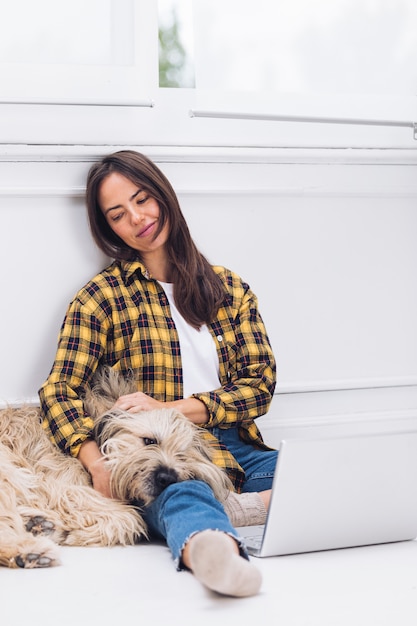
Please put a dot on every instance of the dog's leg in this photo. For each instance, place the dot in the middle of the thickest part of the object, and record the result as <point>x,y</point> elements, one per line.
<point>43,524</point>
<point>19,548</point>
<point>39,525</point>
<point>28,552</point>
<point>89,519</point>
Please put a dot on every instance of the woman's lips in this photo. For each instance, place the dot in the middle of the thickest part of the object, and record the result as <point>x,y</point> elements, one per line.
<point>146,231</point>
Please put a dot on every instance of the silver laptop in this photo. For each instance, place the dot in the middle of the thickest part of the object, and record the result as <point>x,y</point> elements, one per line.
<point>338,493</point>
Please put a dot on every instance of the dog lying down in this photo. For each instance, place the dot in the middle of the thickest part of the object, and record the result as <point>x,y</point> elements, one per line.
<point>46,497</point>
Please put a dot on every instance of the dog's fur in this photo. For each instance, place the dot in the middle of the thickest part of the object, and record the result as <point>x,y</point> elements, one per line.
<point>46,497</point>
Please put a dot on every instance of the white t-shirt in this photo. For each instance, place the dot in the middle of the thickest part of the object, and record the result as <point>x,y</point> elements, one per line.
<point>200,363</point>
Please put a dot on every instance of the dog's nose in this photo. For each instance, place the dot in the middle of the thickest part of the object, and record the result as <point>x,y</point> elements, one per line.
<point>163,477</point>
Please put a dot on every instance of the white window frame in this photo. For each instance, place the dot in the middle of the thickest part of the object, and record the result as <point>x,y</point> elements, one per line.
<point>72,103</point>
<point>131,109</point>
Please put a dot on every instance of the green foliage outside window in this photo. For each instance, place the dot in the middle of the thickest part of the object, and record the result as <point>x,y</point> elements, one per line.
<point>173,57</point>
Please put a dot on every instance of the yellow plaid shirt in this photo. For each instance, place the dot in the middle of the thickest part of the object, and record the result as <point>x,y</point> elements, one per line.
<point>122,319</point>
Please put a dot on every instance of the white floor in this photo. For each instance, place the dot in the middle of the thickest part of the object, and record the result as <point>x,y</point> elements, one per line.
<point>370,586</point>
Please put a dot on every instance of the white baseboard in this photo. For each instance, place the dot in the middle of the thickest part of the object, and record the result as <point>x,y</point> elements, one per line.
<point>340,413</point>
<point>275,430</point>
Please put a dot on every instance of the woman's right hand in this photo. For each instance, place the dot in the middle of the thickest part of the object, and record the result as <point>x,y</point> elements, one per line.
<point>93,461</point>
<point>100,477</point>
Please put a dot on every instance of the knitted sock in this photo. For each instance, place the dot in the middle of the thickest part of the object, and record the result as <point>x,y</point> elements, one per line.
<point>215,563</point>
<point>245,509</point>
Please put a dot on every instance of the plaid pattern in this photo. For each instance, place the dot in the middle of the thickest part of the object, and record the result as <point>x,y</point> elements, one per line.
<point>122,319</point>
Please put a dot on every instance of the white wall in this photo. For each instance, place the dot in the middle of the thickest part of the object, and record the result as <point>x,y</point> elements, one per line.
<point>326,238</point>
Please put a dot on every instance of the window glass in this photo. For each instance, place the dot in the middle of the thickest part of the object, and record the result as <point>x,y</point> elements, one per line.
<point>60,51</point>
<point>297,46</point>
<point>176,43</point>
<point>47,31</point>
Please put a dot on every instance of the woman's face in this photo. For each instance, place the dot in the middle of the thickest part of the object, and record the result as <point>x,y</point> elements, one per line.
<point>131,213</point>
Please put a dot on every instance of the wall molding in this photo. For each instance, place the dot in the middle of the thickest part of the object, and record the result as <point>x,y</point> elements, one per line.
<point>274,430</point>
<point>387,418</point>
<point>42,192</point>
<point>79,192</point>
<point>346,384</point>
<point>405,387</point>
<point>198,154</point>
<point>309,173</point>
<point>271,420</point>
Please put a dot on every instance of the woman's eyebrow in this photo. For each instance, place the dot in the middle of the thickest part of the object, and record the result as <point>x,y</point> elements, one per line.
<point>118,206</point>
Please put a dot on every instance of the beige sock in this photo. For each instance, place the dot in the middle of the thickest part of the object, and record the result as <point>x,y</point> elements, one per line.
<point>216,564</point>
<point>245,509</point>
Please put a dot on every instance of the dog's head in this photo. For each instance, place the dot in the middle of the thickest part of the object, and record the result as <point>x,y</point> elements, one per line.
<point>150,450</point>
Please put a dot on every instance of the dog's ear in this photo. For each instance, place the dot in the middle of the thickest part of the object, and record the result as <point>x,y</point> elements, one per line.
<point>107,426</point>
<point>104,428</point>
<point>99,427</point>
<point>105,388</point>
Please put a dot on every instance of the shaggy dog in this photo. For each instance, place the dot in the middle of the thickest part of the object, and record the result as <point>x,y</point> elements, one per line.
<point>46,497</point>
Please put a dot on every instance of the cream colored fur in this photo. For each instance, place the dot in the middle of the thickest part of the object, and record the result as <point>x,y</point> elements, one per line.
<point>46,497</point>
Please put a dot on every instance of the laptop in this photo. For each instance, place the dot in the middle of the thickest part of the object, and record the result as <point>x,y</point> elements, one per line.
<point>339,492</point>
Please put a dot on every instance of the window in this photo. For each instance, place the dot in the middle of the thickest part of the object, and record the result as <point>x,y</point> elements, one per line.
<point>296,46</point>
<point>69,52</point>
<point>70,70</point>
<point>86,72</point>
<point>324,59</point>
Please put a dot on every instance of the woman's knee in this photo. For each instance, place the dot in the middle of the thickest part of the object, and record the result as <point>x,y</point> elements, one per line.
<point>258,482</point>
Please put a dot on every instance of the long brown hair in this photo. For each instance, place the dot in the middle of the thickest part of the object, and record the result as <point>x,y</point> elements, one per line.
<point>198,291</point>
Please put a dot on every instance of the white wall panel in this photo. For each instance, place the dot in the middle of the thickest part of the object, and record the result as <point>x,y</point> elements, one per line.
<point>325,238</point>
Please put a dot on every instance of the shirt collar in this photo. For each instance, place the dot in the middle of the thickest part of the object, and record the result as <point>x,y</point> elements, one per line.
<point>132,267</point>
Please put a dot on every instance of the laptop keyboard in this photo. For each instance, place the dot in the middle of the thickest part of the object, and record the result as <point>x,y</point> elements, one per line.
<point>254,541</point>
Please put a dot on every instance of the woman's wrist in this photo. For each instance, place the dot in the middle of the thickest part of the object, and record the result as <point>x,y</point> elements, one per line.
<point>89,455</point>
<point>195,410</point>
<point>93,461</point>
<point>96,467</point>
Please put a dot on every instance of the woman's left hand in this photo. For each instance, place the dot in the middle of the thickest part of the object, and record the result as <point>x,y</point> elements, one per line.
<point>136,402</point>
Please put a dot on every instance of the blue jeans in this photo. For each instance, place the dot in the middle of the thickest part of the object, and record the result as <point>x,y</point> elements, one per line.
<point>184,509</point>
<point>188,507</point>
<point>258,465</point>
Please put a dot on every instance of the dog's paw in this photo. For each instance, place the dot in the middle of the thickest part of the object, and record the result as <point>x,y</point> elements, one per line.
<point>33,559</point>
<point>31,552</point>
<point>39,525</point>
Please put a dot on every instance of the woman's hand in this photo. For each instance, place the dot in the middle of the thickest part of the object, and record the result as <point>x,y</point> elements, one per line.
<point>100,477</point>
<point>93,461</point>
<point>195,410</point>
<point>137,401</point>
